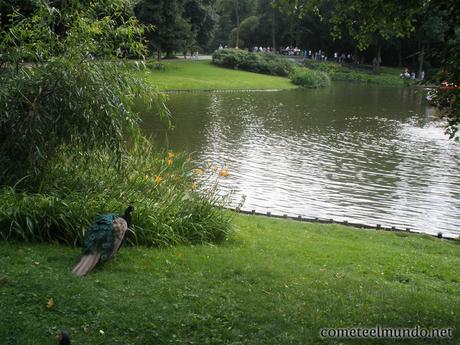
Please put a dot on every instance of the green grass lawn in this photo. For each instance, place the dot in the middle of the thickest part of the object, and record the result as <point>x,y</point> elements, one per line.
<point>274,282</point>
<point>202,75</point>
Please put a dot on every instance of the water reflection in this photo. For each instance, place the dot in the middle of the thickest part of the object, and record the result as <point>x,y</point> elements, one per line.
<point>350,152</point>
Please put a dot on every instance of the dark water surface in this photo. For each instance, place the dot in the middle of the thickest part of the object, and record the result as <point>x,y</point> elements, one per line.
<point>351,152</point>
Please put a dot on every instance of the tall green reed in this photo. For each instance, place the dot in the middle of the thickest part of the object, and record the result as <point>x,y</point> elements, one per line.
<point>172,204</point>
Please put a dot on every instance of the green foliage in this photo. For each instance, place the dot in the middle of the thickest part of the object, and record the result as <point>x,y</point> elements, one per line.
<point>363,20</point>
<point>331,68</point>
<point>447,96</point>
<point>338,72</point>
<point>66,98</point>
<point>78,34</point>
<point>310,78</point>
<point>172,204</point>
<point>447,100</point>
<point>171,31</point>
<point>248,30</point>
<point>202,17</point>
<point>62,102</point>
<point>253,62</point>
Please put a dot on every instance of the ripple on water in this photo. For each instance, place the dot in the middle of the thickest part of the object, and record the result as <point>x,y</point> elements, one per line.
<point>362,154</point>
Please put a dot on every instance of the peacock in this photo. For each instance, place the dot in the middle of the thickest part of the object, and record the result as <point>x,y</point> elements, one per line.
<point>103,239</point>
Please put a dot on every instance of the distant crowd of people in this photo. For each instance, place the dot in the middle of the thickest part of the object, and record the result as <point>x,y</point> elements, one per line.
<point>308,54</point>
<point>256,49</point>
<point>305,53</point>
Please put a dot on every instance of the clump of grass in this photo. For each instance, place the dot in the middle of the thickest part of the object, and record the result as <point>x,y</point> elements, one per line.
<point>172,204</point>
<point>253,62</point>
<point>310,78</point>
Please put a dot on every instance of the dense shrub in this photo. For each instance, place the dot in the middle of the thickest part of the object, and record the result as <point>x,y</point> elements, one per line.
<point>362,74</point>
<point>363,77</point>
<point>310,78</point>
<point>254,62</point>
<point>331,68</point>
<point>173,204</point>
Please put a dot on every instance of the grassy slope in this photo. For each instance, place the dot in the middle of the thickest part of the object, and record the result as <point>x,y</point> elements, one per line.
<point>202,75</point>
<point>274,282</point>
<point>387,76</point>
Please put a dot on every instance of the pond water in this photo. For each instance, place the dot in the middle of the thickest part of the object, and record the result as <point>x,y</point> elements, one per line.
<point>361,153</point>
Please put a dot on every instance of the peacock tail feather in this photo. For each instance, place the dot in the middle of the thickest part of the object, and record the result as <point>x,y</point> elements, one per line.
<point>100,236</point>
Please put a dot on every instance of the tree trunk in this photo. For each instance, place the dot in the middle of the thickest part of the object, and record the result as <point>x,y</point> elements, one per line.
<point>159,54</point>
<point>421,56</point>
<point>274,30</point>
<point>398,48</point>
<point>376,61</point>
<point>237,12</point>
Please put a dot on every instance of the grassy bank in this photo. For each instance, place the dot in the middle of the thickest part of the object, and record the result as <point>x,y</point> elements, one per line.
<point>202,75</point>
<point>179,75</point>
<point>273,282</point>
<point>358,73</point>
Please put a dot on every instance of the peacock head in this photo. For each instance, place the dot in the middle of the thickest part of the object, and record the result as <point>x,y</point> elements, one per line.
<point>127,216</point>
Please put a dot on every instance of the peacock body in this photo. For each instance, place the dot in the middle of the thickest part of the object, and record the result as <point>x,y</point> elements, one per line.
<point>103,240</point>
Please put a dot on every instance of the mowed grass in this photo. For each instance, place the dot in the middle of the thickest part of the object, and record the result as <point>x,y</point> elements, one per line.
<point>203,75</point>
<point>274,282</point>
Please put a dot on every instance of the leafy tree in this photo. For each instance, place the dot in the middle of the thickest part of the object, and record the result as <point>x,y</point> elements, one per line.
<point>171,32</point>
<point>267,23</point>
<point>247,31</point>
<point>367,22</point>
<point>447,97</point>
<point>232,13</point>
<point>67,99</point>
<point>8,7</point>
<point>202,16</point>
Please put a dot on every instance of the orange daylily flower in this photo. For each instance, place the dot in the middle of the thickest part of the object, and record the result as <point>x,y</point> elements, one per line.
<point>158,179</point>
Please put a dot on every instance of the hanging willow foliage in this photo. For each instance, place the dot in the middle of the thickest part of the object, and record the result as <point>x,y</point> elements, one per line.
<point>53,92</point>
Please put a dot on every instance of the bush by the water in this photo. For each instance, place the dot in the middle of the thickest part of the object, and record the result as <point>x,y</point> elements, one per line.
<point>338,72</point>
<point>172,203</point>
<point>310,78</point>
<point>253,62</point>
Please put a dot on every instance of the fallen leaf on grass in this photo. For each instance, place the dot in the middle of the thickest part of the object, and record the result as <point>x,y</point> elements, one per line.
<point>50,303</point>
